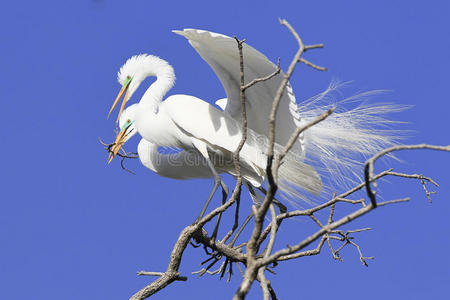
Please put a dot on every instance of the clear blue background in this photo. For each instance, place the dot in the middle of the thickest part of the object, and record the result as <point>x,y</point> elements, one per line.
<point>72,227</point>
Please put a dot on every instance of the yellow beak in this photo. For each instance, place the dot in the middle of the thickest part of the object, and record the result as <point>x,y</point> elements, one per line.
<point>118,143</point>
<point>122,91</point>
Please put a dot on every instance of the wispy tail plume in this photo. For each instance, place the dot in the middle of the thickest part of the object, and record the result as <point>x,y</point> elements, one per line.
<point>347,137</point>
<point>337,146</point>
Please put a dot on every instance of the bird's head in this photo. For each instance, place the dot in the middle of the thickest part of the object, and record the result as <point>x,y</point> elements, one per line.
<point>134,71</point>
<point>129,76</point>
<point>127,130</point>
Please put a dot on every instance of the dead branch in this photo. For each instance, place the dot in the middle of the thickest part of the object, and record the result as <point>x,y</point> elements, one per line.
<point>252,264</point>
<point>124,155</point>
<point>172,274</point>
<point>252,246</point>
<point>368,167</point>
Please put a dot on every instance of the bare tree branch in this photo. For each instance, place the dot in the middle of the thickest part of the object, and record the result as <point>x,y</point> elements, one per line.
<point>368,167</point>
<point>252,246</point>
<point>144,273</point>
<point>172,273</point>
<point>257,80</point>
<point>261,254</point>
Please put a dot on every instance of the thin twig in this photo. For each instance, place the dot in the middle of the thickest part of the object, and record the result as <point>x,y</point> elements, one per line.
<point>252,246</point>
<point>256,262</point>
<point>144,273</point>
<point>368,167</point>
<point>257,80</point>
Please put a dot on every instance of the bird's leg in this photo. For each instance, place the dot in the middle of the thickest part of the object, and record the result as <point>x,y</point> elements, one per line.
<point>224,198</point>
<point>217,181</point>
<point>280,205</point>
<point>249,217</point>
<point>238,233</point>
<point>203,149</point>
<point>236,221</point>
<point>216,227</point>
<point>211,194</point>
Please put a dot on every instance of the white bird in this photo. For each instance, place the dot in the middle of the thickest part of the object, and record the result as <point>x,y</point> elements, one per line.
<point>183,164</point>
<point>187,122</point>
<point>180,165</point>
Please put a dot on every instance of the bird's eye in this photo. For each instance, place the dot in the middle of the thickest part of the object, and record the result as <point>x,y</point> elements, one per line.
<point>128,121</point>
<point>128,77</point>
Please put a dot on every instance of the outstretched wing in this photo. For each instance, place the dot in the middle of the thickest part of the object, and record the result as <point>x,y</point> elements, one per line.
<point>221,53</point>
<point>222,103</point>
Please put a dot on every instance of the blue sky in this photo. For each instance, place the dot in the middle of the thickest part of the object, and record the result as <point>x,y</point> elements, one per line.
<point>73,227</point>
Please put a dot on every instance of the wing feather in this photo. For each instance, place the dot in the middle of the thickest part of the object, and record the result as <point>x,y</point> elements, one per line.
<point>221,53</point>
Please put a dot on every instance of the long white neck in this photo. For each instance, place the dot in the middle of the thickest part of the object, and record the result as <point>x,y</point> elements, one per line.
<point>182,165</point>
<point>165,79</point>
<point>149,122</point>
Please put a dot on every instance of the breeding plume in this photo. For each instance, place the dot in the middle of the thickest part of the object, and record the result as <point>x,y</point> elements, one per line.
<point>189,123</point>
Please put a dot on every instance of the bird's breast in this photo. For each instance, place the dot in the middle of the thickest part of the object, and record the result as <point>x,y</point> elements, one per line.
<point>158,128</point>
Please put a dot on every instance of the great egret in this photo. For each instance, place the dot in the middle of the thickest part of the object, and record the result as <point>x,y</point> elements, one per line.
<point>180,165</point>
<point>187,122</point>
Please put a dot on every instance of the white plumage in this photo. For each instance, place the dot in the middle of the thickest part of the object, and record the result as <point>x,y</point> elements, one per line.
<point>187,122</point>
<point>220,52</point>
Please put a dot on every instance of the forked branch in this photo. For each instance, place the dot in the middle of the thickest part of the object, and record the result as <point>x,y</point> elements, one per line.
<point>368,167</point>
<point>259,253</point>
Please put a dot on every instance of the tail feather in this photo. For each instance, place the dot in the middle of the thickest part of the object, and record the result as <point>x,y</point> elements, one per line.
<point>338,145</point>
<point>294,176</point>
<point>346,138</point>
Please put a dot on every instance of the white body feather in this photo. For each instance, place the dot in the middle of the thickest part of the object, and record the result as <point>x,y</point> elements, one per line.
<point>187,122</point>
